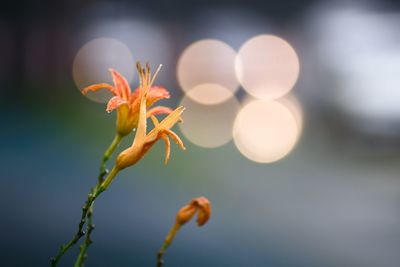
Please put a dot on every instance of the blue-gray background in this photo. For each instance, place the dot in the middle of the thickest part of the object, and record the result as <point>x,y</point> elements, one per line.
<point>333,202</point>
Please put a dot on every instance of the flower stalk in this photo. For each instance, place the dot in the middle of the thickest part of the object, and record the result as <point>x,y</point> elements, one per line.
<point>64,248</point>
<point>167,242</point>
<point>110,150</point>
<point>88,241</point>
<point>88,206</point>
<point>201,206</point>
<point>96,191</point>
<point>87,212</point>
<point>106,183</point>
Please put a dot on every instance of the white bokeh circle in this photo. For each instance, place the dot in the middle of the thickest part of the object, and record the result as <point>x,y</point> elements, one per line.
<point>267,67</point>
<point>265,131</point>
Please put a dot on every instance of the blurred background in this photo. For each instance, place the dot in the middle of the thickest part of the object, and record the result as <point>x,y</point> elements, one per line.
<point>292,130</point>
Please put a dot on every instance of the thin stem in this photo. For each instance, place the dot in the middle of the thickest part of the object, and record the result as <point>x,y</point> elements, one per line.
<point>90,226</point>
<point>106,183</point>
<point>80,232</point>
<point>110,150</point>
<point>160,260</point>
<point>88,204</point>
<point>88,241</point>
<point>100,187</point>
<point>167,242</point>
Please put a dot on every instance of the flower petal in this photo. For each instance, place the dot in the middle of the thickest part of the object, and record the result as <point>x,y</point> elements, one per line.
<point>140,135</point>
<point>155,121</point>
<point>121,85</point>
<point>176,138</point>
<point>185,214</point>
<point>114,103</point>
<point>204,207</point>
<point>156,93</point>
<point>158,110</point>
<point>201,205</point>
<point>167,123</point>
<point>99,86</point>
<point>174,117</point>
<point>167,147</point>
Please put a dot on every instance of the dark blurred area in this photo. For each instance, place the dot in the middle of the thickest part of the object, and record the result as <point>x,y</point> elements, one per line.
<point>331,199</point>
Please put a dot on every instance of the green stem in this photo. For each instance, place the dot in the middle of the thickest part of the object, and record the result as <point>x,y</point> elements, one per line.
<point>110,150</point>
<point>84,247</point>
<point>100,187</point>
<point>80,232</point>
<point>106,183</point>
<point>167,242</point>
<point>103,171</point>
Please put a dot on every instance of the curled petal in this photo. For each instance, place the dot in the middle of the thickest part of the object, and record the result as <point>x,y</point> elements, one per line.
<point>114,103</point>
<point>167,123</point>
<point>204,207</point>
<point>99,86</point>
<point>172,118</point>
<point>122,88</point>
<point>156,93</point>
<point>158,110</point>
<point>155,121</point>
<point>167,147</point>
<point>176,138</point>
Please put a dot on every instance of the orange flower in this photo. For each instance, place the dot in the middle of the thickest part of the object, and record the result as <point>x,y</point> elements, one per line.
<point>162,130</point>
<point>127,103</point>
<point>201,205</point>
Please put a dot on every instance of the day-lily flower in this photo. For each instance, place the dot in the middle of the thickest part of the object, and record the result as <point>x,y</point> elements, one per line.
<point>143,141</point>
<point>127,103</point>
<point>162,130</point>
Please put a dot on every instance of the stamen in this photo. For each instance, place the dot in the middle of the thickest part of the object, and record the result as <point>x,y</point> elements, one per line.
<point>155,75</point>
<point>139,69</point>
<point>148,74</point>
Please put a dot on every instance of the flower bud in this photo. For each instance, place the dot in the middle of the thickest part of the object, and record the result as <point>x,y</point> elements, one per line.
<point>201,205</point>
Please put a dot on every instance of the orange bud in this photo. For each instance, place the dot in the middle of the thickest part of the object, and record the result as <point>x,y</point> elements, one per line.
<point>185,214</point>
<point>201,205</point>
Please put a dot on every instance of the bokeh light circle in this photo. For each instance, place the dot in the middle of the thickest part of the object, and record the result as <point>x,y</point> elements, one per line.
<point>208,61</point>
<point>208,125</point>
<point>93,60</point>
<point>209,93</point>
<point>267,67</point>
<point>148,40</point>
<point>265,131</point>
<point>291,102</point>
